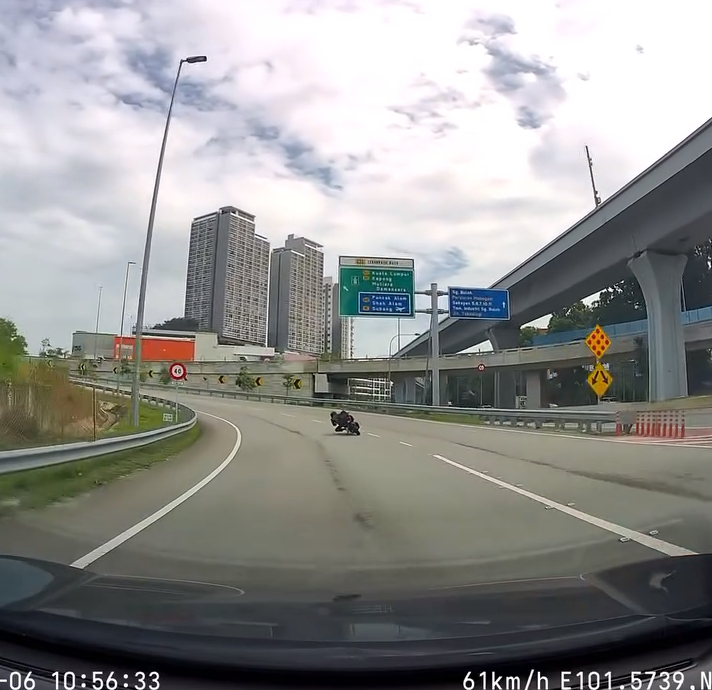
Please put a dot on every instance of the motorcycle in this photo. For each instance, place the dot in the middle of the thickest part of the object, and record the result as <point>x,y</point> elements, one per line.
<point>351,426</point>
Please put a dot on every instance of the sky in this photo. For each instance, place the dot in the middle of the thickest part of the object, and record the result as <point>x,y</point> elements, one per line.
<point>451,132</point>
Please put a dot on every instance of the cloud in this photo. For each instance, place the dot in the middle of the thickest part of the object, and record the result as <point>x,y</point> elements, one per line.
<point>451,132</point>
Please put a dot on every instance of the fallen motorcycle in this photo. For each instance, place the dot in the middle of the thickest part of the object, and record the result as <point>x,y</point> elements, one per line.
<point>350,427</point>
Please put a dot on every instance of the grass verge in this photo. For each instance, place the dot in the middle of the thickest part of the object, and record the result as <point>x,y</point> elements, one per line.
<point>149,417</point>
<point>39,488</point>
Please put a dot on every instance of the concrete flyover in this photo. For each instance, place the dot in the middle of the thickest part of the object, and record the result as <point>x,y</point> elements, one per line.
<point>295,510</point>
<point>644,228</point>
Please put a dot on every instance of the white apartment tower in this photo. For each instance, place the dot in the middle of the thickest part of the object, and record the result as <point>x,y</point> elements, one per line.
<point>338,331</point>
<point>296,301</point>
<point>226,289</point>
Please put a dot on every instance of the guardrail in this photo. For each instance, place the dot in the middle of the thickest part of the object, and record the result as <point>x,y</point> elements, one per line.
<point>587,420</point>
<point>46,456</point>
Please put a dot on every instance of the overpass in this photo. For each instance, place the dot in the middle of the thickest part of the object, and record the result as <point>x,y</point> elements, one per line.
<point>571,351</point>
<point>645,227</point>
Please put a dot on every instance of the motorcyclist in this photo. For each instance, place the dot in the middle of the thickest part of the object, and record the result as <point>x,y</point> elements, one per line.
<point>341,419</point>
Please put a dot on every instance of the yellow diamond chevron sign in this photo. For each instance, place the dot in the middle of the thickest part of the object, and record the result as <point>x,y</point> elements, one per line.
<point>598,342</point>
<point>599,380</point>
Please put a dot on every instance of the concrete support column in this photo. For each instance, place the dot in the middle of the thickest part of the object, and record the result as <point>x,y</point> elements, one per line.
<point>444,397</point>
<point>660,278</point>
<point>404,390</point>
<point>505,337</point>
<point>536,394</point>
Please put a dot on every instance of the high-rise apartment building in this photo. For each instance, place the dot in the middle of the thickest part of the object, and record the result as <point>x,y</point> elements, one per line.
<point>226,288</point>
<point>296,299</point>
<point>338,331</point>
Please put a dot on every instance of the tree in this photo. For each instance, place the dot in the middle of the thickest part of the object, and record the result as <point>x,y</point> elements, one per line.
<point>288,381</point>
<point>179,323</point>
<point>526,336</point>
<point>244,381</point>
<point>164,376</point>
<point>572,318</point>
<point>12,346</point>
<point>49,352</point>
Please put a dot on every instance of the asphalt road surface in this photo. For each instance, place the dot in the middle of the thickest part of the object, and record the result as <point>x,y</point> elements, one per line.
<point>272,501</point>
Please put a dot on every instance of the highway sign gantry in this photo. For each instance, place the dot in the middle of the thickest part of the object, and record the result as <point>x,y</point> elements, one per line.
<point>478,303</point>
<point>600,380</point>
<point>598,342</point>
<point>177,371</point>
<point>376,286</point>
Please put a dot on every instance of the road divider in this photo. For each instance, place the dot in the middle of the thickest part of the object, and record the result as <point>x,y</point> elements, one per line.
<point>46,456</point>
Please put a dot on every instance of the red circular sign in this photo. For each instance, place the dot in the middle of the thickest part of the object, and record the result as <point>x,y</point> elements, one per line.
<point>177,371</point>
<point>480,367</point>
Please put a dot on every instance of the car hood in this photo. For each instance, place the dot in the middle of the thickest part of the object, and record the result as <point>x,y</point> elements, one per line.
<point>496,616</point>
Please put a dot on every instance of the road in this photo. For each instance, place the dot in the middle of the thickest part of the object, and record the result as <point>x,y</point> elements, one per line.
<point>279,503</point>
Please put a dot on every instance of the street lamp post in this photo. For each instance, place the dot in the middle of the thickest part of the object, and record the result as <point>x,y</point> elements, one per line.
<point>136,383</point>
<point>121,328</point>
<point>96,329</point>
<point>390,352</point>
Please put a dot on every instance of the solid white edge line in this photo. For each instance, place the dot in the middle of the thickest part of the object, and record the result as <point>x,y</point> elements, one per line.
<point>403,443</point>
<point>127,534</point>
<point>643,539</point>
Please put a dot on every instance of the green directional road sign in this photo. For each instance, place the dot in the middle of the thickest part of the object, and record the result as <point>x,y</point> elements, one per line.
<point>376,286</point>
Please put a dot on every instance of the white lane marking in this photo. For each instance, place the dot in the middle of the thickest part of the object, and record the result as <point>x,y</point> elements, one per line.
<point>318,421</point>
<point>374,435</point>
<point>119,539</point>
<point>403,443</point>
<point>643,539</point>
<point>284,414</point>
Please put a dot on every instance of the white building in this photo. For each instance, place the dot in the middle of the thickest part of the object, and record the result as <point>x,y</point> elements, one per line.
<point>296,301</point>
<point>338,331</point>
<point>226,288</point>
<point>377,390</point>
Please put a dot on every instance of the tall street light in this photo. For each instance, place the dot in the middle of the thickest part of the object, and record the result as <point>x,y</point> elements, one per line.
<point>96,329</point>
<point>147,250</point>
<point>390,352</point>
<point>121,328</point>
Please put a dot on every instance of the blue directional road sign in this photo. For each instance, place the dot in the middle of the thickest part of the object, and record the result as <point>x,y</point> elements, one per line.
<point>478,303</point>
<point>383,304</point>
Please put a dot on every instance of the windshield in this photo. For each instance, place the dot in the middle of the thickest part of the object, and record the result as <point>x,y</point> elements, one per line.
<point>397,312</point>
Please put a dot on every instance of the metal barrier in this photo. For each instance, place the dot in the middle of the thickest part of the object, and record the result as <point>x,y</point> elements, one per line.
<point>587,420</point>
<point>46,456</point>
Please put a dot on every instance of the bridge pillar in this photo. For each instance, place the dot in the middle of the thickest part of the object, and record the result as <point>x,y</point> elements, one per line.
<point>660,279</point>
<point>536,394</point>
<point>504,337</point>
<point>404,390</point>
<point>444,392</point>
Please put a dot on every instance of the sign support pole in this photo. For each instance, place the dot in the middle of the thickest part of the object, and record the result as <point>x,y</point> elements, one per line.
<point>434,345</point>
<point>176,417</point>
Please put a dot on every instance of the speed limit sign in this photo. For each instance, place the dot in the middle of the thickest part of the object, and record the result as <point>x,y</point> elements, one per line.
<point>177,371</point>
